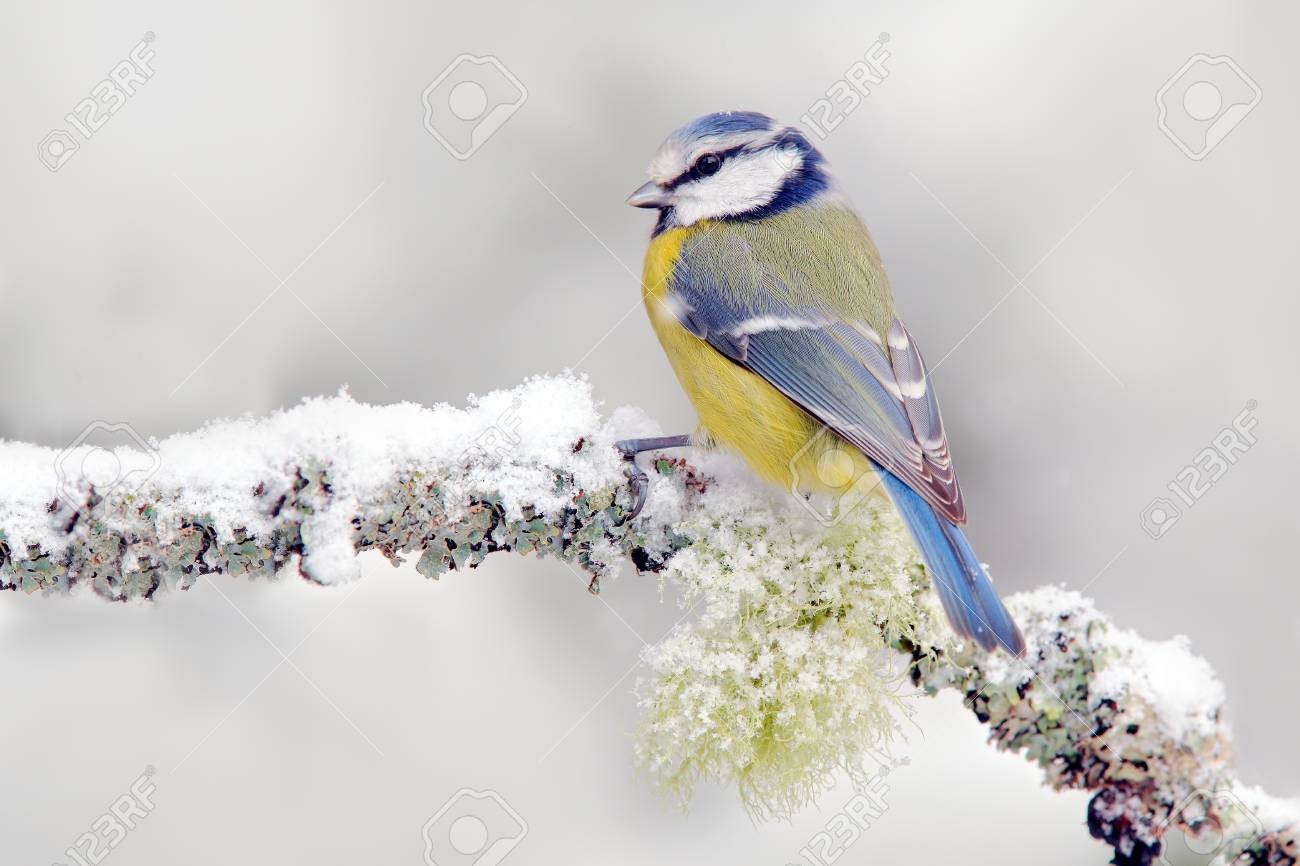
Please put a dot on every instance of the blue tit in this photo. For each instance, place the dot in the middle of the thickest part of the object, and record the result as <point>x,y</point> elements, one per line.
<point>771,302</point>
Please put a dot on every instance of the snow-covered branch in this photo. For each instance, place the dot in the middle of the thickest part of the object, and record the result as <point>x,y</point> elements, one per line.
<point>809,637</point>
<point>528,469</point>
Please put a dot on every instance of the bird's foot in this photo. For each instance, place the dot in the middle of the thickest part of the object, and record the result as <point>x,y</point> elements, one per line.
<point>638,481</point>
<point>636,476</point>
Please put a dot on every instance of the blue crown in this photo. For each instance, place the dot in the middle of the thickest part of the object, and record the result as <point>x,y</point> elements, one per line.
<point>727,122</point>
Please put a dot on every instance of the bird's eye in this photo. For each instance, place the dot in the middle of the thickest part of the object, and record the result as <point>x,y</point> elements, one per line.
<point>708,164</point>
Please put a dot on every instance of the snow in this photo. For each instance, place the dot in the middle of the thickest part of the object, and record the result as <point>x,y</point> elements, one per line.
<point>1274,813</point>
<point>510,441</point>
<point>782,673</point>
<point>1180,687</point>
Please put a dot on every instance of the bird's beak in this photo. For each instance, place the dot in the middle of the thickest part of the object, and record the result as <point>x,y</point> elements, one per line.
<point>650,194</point>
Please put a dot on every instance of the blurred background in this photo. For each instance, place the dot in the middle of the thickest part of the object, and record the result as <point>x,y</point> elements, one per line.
<point>258,207</point>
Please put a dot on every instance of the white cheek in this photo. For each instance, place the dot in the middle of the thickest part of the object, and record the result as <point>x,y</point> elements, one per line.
<point>744,183</point>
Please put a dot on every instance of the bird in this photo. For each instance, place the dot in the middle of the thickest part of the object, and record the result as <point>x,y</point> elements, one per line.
<point>770,299</point>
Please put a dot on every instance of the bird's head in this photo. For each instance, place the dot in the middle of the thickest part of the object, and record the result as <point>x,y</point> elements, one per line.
<point>731,165</point>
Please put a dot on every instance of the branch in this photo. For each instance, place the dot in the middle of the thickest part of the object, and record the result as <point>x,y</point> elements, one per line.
<point>809,630</point>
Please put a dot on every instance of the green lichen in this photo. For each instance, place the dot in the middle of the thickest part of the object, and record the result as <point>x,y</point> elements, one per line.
<point>788,674</point>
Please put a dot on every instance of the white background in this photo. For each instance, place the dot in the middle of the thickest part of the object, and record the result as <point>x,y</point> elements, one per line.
<point>1166,301</point>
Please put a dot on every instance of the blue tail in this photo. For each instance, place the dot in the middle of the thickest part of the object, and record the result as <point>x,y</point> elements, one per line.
<point>968,596</point>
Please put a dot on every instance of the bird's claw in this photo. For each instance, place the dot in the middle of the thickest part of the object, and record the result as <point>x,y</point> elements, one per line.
<point>636,476</point>
<point>638,481</point>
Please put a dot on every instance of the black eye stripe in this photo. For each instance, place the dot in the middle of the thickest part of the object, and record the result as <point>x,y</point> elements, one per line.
<point>693,173</point>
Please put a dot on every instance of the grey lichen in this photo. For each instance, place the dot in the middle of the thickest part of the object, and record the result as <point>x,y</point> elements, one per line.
<point>1139,723</point>
<point>117,547</point>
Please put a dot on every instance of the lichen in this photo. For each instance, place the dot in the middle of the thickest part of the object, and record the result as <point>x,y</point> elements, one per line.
<point>786,673</point>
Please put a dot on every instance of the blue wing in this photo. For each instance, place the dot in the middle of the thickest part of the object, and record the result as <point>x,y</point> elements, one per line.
<point>871,389</point>
<point>821,330</point>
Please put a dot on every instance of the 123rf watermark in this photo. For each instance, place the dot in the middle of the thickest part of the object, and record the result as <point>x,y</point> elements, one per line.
<point>846,827</point>
<point>1207,98</point>
<point>109,830</point>
<point>473,828</point>
<point>497,442</point>
<point>105,458</point>
<point>1219,828</point>
<point>831,479</point>
<point>106,99</point>
<point>844,96</point>
<point>469,101</point>
<point>1194,480</point>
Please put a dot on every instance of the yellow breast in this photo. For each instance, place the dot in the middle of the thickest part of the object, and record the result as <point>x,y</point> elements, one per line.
<point>739,410</point>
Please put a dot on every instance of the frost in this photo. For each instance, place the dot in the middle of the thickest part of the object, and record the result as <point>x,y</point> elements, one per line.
<point>1184,695</point>
<point>802,647</point>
